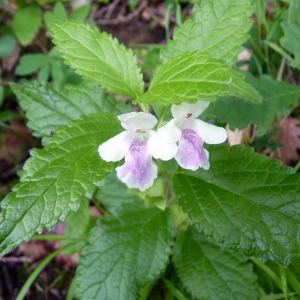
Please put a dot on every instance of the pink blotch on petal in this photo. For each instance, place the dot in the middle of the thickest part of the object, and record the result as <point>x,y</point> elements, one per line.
<point>138,170</point>
<point>191,155</point>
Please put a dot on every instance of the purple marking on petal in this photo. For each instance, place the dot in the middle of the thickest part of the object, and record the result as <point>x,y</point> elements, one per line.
<point>191,154</point>
<point>138,170</point>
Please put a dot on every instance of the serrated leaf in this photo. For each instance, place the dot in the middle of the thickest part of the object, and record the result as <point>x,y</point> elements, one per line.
<point>49,107</point>
<point>190,77</point>
<point>246,202</point>
<point>79,224</point>
<point>209,272</point>
<point>291,28</point>
<point>217,27</point>
<point>99,57</point>
<point>277,97</point>
<point>113,195</point>
<point>125,253</point>
<point>55,180</point>
<point>25,33</point>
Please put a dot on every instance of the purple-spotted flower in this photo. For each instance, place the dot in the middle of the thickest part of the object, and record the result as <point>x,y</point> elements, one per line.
<point>138,144</point>
<point>191,133</point>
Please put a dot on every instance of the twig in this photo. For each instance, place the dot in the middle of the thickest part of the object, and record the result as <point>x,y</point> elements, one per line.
<point>111,8</point>
<point>14,260</point>
<point>4,83</point>
<point>124,19</point>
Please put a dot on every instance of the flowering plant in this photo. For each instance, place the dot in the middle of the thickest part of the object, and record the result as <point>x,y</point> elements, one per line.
<point>180,191</point>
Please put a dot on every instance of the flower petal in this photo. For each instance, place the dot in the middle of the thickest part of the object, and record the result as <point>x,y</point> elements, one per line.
<point>188,110</point>
<point>161,148</point>
<point>210,134</point>
<point>170,132</point>
<point>137,121</point>
<point>138,170</point>
<point>115,148</point>
<point>191,155</point>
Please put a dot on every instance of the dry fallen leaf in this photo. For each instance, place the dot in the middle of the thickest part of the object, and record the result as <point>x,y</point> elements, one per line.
<point>236,136</point>
<point>289,136</point>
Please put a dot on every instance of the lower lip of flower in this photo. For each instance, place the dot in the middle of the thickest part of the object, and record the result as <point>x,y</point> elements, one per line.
<point>138,170</point>
<point>191,154</point>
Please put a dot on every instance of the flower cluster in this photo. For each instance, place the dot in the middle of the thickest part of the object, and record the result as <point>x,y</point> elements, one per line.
<point>181,138</point>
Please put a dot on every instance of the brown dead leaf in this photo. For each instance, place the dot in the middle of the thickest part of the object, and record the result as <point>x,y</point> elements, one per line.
<point>289,136</point>
<point>14,142</point>
<point>34,249</point>
<point>8,63</point>
<point>237,136</point>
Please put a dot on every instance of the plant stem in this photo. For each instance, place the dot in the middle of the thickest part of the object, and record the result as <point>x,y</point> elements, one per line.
<point>177,294</point>
<point>144,107</point>
<point>297,167</point>
<point>268,271</point>
<point>36,273</point>
<point>284,282</point>
<point>146,291</point>
<point>55,238</point>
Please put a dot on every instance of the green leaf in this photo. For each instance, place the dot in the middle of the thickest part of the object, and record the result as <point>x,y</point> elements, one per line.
<point>1,97</point>
<point>217,27</point>
<point>291,28</point>
<point>209,272</point>
<point>113,195</point>
<point>59,13</point>
<point>125,253</point>
<point>26,22</point>
<point>55,180</point>
<point>7,45</point>
<point>98,57</point>
<point>80,13</point>
<point>29,63</point>
<point>44,73</point>
<point>190,77</point>
<point>79,224</point>
<point>155,195</point>
<point>49,107</point>
<point>277,99</point>
<point>246,202</point>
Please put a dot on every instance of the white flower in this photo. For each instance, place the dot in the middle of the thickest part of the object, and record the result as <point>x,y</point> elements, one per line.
<point>191,133</point>
<point>138,144</point>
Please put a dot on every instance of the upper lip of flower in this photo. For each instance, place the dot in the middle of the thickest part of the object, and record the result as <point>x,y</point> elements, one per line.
<point>185,111</point>
<point>137,121</point>
<point>185,116</point>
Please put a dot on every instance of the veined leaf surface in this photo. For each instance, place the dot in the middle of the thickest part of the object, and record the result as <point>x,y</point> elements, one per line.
<point>99,57</point>
<point>245,201</point>
<point>217,27</point>
<point>210,272</point>
<point>49,107</point>
<point>194,76</point>
<point>57,179</point>
<point>125,253</point>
